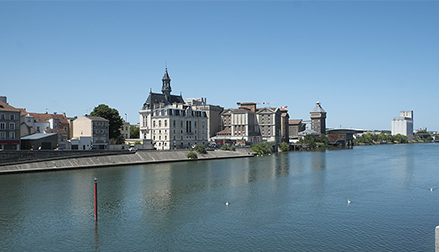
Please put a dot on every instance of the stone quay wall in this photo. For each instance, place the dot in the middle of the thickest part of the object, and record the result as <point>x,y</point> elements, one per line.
<point>24,156</point>
<point>139,157</point>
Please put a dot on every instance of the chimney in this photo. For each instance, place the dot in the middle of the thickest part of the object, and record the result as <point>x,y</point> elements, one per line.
<point>4,99</point>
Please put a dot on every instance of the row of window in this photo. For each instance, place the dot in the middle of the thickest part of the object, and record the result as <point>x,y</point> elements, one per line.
<point>175,145</point>
<point>174,124</point>
<point>99,123</point>
<point>99,131</point>
<point>3,117</point>
<point>178,112</point>
<point>3,126</point>
<point>166,138</point>
<point>3,135</point>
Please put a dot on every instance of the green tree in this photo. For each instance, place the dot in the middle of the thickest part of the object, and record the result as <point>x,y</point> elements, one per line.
<point>112,115</point>
<point>400,138</point>
<point>134,132</point>
<point>200,149</point>
<point>424,136</point>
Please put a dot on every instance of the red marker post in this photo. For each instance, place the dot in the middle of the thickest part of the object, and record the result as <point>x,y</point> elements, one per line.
<point>96,199</point>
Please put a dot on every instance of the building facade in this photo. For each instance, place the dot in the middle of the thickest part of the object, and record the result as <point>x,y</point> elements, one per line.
<point>269,123</point>
<point>97,128</point>
<point>9,126</point>
<point>125,130</point>
<point>295,127</point>
<point>318,119</point>
<point>169,122</point>
<point>249,124</point>
<point>213,113</point>
<point>403,124</point>
<point>32,123</point>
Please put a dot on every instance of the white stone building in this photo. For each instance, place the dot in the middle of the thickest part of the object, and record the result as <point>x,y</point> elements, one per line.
<point>169,122</point>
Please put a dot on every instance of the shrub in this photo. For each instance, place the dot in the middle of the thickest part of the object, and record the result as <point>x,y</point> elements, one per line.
<point>262,148</point>
<point>233,148</point>
<point>192,155</point>
<point>225,147</point>
<point>200,149</point>
<point>284,146</point>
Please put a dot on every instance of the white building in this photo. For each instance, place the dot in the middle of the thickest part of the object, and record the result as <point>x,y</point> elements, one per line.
<point>403,124</point>
<point>169,122</point>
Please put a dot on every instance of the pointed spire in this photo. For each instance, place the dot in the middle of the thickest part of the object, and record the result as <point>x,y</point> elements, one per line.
<point>166,86</point>
<point>166,76</point>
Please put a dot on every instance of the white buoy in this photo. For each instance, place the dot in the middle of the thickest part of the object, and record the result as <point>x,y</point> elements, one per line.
<point>431,189</point>
<point>227,203</point>
<point>349,201</point>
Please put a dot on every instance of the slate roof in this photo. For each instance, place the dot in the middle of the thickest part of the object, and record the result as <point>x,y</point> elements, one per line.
<point>37,136</point>
<point>160,98</point>
<point>318,109</point>
<point>166,75</point>
<point>97,118</point>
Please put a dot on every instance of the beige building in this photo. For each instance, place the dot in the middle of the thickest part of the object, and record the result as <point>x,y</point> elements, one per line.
<point>251,124</point>
<point>169,122</point>
<point>92,126</point>
<point>213,113</point>
<point>125,130</point>
<point>239,126</point>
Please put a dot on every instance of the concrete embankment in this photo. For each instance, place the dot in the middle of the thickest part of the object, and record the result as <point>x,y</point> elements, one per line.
<point>140,157</point>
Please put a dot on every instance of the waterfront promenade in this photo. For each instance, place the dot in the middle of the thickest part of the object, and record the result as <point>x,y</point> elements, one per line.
<point>140,157</point>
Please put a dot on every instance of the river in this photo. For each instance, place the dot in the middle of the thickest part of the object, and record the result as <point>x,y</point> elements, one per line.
<point>296,201</point>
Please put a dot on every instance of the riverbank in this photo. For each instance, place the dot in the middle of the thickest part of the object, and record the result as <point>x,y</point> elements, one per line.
<point>140,157</point>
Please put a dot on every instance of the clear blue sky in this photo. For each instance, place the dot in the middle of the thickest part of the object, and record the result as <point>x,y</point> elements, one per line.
<point>363,60</point>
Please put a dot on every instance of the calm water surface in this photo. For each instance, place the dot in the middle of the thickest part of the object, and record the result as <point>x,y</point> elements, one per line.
<point>287,202</point>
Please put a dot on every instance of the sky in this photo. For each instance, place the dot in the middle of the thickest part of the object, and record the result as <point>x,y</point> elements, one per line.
<point>363,60</point>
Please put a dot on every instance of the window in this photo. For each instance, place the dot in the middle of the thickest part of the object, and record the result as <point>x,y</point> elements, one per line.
<point>160,123</point>
<point>2,135</point>
<point>153,123</point>
<point>11,135</point>
<point>2,125</point>
<point>12,126</point>
<point>166,123</point>
<point>3,116</point>
<point>12,117</point>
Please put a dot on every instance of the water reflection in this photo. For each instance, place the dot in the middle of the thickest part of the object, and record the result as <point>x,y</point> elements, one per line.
<point>276,201</point>
<point>402,165</point>
<point>282,165</point>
